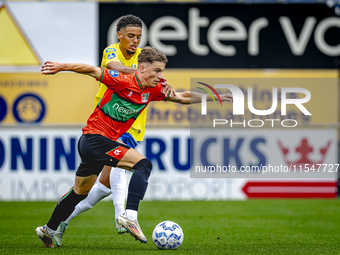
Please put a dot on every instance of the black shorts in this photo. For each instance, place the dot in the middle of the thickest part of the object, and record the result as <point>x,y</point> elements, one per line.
<point>96,151</point>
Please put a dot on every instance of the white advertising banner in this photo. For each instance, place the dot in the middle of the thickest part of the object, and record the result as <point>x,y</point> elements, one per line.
<point>37,164</point>
<point>40,164</point>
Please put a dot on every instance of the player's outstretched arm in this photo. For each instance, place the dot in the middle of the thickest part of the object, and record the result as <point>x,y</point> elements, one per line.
<point>189,97</point>
<point>120,68</point>
<point>56,67</point>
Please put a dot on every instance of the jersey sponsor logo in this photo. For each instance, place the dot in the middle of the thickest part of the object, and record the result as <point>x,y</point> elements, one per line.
<point>130,94</point>
<point>117,152</point>
<point>113,73</point>
<point>145,97</point>
<point>111,56</point>
<point>123,110</point>
<point>110,50</point>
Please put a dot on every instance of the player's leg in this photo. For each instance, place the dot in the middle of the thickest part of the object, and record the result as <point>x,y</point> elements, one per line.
<point>141,168</point>
<point>95,151</point>
<point>112,180</point>
<point>118,184</point>
<point>64,208</point>
<point>86,176</point>
<point>117,180</point>
<point>97,193</point>
<point>68,202</point>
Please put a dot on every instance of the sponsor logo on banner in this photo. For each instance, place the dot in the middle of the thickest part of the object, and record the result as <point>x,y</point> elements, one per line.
<point>40,164</point>
<point>288,39</point>
<point>304,150</point>
<point>29,108</point>
<point>32,98</point>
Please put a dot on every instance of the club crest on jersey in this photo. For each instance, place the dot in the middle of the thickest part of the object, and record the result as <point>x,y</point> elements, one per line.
<point>111,55</point>
<point>113,73</point>
<point>145,97</point>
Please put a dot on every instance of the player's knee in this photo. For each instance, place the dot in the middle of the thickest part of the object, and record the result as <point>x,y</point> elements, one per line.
<point>105,182</point>
<point>143,165</point>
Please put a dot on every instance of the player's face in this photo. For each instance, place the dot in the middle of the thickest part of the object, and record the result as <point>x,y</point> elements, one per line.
<point>130,39</point>
<point>152,73</point>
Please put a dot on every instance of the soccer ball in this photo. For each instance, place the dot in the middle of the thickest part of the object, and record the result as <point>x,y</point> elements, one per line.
<point>167,235</point>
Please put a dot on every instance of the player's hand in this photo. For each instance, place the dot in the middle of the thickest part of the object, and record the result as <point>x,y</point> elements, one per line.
<point>51,67</point>
<point>167,88</point>
<point>226,97</point>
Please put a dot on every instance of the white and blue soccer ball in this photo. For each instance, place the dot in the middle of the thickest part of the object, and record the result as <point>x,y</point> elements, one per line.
<point>167,235</point>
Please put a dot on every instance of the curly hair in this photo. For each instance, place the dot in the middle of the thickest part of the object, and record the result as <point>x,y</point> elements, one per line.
<point>129,21</point>
<point>150,55</point>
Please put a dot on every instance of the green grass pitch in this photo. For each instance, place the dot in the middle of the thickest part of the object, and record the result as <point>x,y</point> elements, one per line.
<point>210,227</point>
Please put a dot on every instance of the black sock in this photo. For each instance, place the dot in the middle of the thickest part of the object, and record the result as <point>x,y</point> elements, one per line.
<point>138,183</point>
<point>64,208</point>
